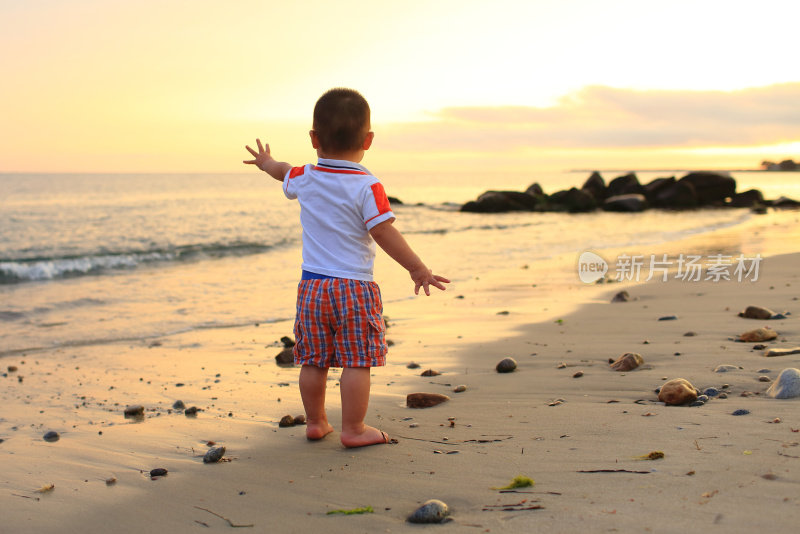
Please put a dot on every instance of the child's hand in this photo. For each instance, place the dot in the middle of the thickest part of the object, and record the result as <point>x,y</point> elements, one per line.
<point>262,156</point>
<point>266,162</point>
<point>424,278</point>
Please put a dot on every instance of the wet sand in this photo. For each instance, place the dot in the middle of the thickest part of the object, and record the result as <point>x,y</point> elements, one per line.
<point>719,471</point>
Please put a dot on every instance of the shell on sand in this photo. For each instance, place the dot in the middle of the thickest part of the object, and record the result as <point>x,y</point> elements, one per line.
<point>628,362</point>
<point>677,391</point>
<point>759,334</point>
<point>786,386</point>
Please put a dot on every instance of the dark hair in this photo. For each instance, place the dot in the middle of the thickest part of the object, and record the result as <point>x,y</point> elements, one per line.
<point>341,120</point>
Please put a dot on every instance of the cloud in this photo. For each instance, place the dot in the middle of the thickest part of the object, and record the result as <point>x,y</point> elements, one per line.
<point>607,117</point>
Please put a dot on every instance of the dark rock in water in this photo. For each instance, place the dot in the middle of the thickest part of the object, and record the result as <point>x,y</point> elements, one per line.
<point>158,472</point>
<point>626,203</point>
<point>214,455</point>
<point>622,296</point>
<point>134,411</point>
<point>285,357</point>
<point>595,186</point>
<point>741,412</point>
<point>535,190</point>
<point>506,365</point>
<point>677,391</point>
<point>572,200</point>
<point>759,334</point>
<point>432,511</point>
<point>747,199</point>
<point>668,318</point>
<point>786,386</point>
<point>413,365</point>
<point>785,203</point>
<point>430,372</point>
<point>711,187</point>
<point>425,400</point>
<point>657,186</point>
<point>286,420</point>
<point>627,184</point>
<point>756,312</point>
<point>627,362</point>
<point>677,195</point>
<point>782,352</point>
<point>51,436</point>
<point>178,405</point>
<point>501,201</point>
<point>288,342</point>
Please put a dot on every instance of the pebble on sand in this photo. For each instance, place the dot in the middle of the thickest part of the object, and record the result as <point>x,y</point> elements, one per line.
<point>158,472</point>
<point>134,411</point>
<point>622,296</point>
<point>677,391</point>
<point>425,400</point>
<point>286,420</point>
<point>627,362</point>
<point>724,368</point>
<point>214,455</point>
<point>782,352</point>
<point>506,365</point>
<point>52,436</point>
<point>759,334</point>
<point>412,365</point>
<point>786,386</point>
<point>285,357</point>
<point>741,412</point>
<point>756,312</point>
<point>430,372</point>
<point>460,388</point>
<point>432,511</point>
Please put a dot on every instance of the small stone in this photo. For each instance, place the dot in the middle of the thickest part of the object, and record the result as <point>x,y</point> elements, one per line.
<point>413,365</point>
<point>561,365</point>
<point>158,472</point>
<point>759,334</point>
<point>764,379</point>
<point>110,481</point>
<point>285,357</point>
<point>668,318</point>
<point>214,455</point>
<point>430,372</point>
<point>506,365</point>
<point>760,346</point>
<point>786,386</point>
<point>178,405</point>
<point>432,511</point>
<point>711,392</point>
<point>741,412</point>
<point>756,312</point>
<point>134,411</point>
<point>690,334</point>
<point>460,388</point>
<point>425,400</point>
<point>677,391</point>
<point>12,368</point>
<point>698,402</point>
<point>300,419</point>
<point>286,420</point>
<point>622,296</point>
<point>288,342</point>
<point>782,352</point>
<point>725,368</point>
<point>578,374</point>
<point>702,398</point>
<point>628,362</point>
<point>52,436</point>
<point>191,412</point>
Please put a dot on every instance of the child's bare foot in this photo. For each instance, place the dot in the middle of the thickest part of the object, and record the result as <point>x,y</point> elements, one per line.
<point>370,436</point>
<point>315,431</point>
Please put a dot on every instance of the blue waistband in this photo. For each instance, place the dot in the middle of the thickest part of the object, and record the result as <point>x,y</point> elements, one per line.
<point>308,275</point>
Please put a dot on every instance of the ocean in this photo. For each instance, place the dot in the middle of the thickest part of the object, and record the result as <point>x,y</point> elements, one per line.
<point>102,258</point>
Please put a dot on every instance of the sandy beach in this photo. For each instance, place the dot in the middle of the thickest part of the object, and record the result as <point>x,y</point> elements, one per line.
<point>719,472</point>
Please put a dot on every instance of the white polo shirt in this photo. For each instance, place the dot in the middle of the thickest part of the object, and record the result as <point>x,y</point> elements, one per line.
<point>340,201</point>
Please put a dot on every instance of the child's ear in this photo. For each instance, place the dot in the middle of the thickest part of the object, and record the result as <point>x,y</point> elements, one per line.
<point>314,139</point>
<point>368,140</point>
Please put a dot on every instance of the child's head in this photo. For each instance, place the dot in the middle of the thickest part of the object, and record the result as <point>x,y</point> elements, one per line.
<point>341,121</point>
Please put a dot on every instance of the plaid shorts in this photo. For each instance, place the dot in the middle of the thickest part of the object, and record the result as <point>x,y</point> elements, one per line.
<point>339,323</point>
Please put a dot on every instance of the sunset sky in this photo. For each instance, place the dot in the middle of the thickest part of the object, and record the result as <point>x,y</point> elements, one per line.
<point>173,85</point>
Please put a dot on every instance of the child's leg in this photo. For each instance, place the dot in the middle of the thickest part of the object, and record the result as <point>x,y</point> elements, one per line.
<point>313,381</point>
<point>354,386</point>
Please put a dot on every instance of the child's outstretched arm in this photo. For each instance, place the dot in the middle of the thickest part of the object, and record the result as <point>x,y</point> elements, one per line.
<point>265,162</point>
<point>392,242</point>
